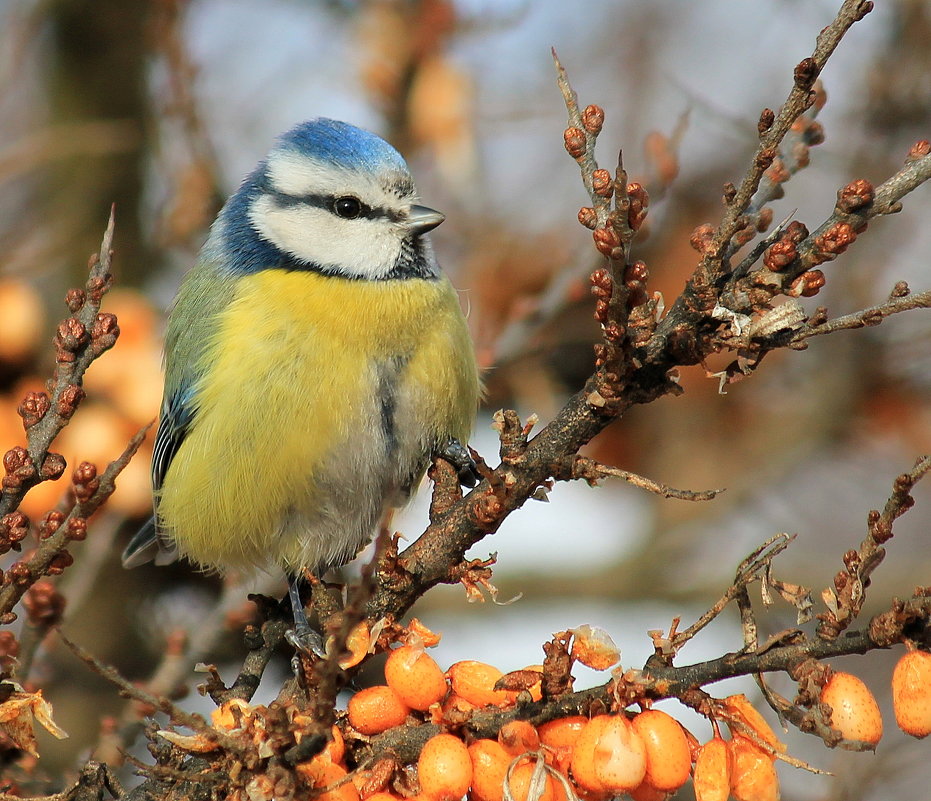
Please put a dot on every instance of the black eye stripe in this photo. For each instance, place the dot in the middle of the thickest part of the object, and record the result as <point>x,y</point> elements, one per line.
<point>328,202</point>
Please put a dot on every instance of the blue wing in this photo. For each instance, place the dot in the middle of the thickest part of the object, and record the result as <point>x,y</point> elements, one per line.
<point>148,545</point>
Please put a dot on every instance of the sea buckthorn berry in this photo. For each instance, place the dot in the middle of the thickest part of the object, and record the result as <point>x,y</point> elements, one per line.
<point>620,756</point>
<point>444,768</point>
<point>520,781</point>
<point>475,682</point>
<point>489,767</point>
<point>753,775</point>
<point>647,792</point>
<point>376,709</point>
<point>712,776</point>
<point>518,737</point>
<point>855,713</point>
<point>415,676</point>
<point>562,732</point>
<point>911,693</point>
<point>667,749</point>
<point>329,774</point>
<point>583,755</point>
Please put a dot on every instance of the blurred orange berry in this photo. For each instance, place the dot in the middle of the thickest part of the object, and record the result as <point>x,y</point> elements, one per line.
<point>518,737</point>
<point>376,709</point>
<point>712,777</point>
<point>22,320</point>
<point>415,677</point>
<point>444,768</point>
<point>668,757</point>
<point>489,767</point>
<point>753,775</point>
<point>383,795</point>
<point>475,681</point>
<point>855,713</point>
<point>647,792</point>
<point>911,693</point>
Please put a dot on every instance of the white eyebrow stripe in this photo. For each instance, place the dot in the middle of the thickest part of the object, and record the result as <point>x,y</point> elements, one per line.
<point>298,176</point>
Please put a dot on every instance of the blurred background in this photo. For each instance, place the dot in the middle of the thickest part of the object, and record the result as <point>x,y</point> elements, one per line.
<point>161,106</point>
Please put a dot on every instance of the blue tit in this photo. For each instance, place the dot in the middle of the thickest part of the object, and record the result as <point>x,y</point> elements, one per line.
<point>316,359</point>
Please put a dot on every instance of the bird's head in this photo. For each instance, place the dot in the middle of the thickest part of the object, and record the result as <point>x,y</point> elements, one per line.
<point>332,198</point>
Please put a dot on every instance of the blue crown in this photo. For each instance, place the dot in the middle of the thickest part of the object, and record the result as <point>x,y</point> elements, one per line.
<point>342,144</point>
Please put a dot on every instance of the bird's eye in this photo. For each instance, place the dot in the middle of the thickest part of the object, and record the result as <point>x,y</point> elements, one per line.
<point>348,207</point>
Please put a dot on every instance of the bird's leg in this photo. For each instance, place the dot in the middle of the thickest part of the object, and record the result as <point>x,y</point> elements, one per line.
<point>454,452</point>
<point>303,637</point>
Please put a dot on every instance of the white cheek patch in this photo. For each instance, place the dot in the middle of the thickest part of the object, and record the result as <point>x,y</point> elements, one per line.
<point>363,248</point>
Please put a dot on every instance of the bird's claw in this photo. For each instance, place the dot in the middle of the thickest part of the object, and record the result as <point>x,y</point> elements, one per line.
<point>459,457</point>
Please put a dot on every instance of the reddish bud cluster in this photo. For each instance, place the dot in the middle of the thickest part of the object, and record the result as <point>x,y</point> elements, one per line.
<point>602,289</point>
<point>33,408</point>
<point>13,530</point>
<point>104,333</point>
<point>68,401</point>
<point>835,240</point>
<point>639,203</point>
<point>807,285</point>
<point>919,150</point>
<point>70,337</point>
<point>85,481</point>
<point>806,73</point>
<point>593,118</point>
<point>784,251</point>
<point>77,529</point>
<point>702,238</point>
<point>50,524</point>
<point>61,560</point>
<point>44,604</point>
<point>635,280</point>
<point>588,218</point>
<point>18,574</point>
<point>729,192</point>
<point>602,183</point>
<point>75,300</point>
<point>19,468</point>
<point>53,467</point>
<point>99,285</point>
<point>574,140</point>
<point>855,195</point>
<point>608,242</point>
<point>767,118</point>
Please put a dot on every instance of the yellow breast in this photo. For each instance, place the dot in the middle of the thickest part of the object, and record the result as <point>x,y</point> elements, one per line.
<point>289,456</point>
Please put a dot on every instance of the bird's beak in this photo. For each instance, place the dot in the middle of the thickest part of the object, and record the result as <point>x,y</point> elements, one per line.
<point>422,219</point>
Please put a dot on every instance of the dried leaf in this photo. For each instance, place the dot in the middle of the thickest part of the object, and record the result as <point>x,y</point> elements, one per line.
<point>19,711</point>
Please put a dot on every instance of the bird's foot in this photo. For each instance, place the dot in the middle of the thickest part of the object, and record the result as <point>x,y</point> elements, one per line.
<point>454,452</point>
<point>306,640</point>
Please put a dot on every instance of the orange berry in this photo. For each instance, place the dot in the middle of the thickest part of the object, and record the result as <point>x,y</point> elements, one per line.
<point>712,778</point>
<point>562,732</point>
<point>520,782</point>
<point>583,755</point>
<point>489,767</point>
<point>415,677</point>
<point>444,768</point>
<point>753,775</point>
<point>855,713</point>
<point>668,757</point>
<point>620,756</point>
<point>911,693</point>
<point>383,795</point>
<point>329,774</point>
<point>475,681</point>
<point>376,709</point>
<point>518,737</point>
<point>647,792</point>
